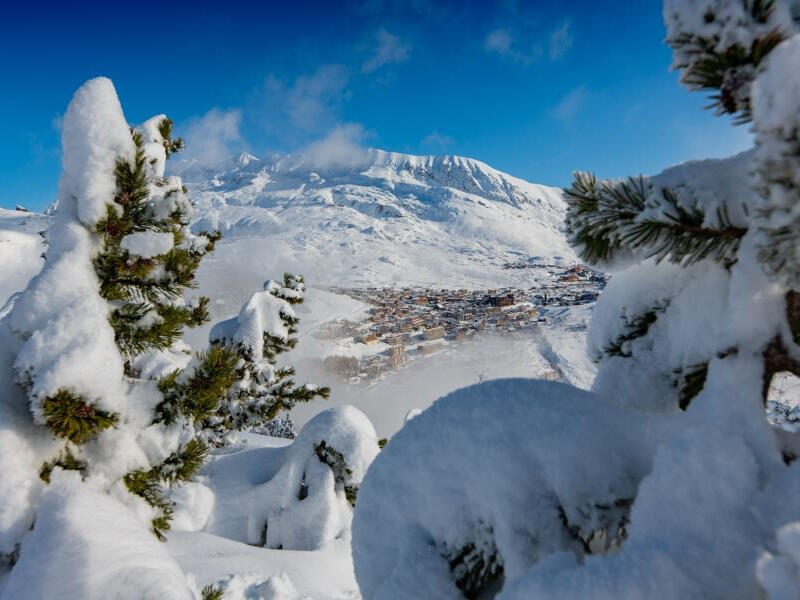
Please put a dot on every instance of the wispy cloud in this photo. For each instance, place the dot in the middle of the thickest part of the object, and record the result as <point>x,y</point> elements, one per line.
<point>523,42</point>
<point>308,103</point>
<point>311,97</point>
<point>388,49</point>
<point>571,104</point>
<point>213,137</point>
<point>437,141</point>
<point>289,115</point>
<point>505,43</point>
<point>341,148</point>
<point>560,40</point>
<point>499,41</point>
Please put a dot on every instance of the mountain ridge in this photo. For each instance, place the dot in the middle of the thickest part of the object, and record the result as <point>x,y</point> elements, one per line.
<point>385,218</point>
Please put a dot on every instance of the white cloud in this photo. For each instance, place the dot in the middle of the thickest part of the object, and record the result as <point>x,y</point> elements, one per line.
<point>309,102</point>
<point>499,41</point>
<point>505,43</point>
<point>571,104</point>
<point>437,141</point>
<point>340,149</point>
<point>560,40</point>
<point>389,49</point>
<point>311,97</point>
<point>524,44</point>
<point>214,137</point>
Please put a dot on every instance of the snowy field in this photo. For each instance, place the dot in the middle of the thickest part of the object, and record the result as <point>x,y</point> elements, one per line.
<point>208,540</point>
<point>20,249</point>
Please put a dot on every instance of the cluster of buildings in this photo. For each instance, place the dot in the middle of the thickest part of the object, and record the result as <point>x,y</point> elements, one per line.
<point>410,323</point>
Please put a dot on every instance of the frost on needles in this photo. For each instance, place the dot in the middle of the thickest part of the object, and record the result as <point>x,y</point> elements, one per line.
<point>666,481</point>
<point>98,394</point>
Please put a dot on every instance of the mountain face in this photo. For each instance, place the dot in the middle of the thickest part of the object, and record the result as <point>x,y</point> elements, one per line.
<point>384,219</point>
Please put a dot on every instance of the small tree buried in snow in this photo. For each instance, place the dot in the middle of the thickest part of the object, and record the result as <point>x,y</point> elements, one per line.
<point>309,501</point>
<point>704,310</point>
<point>82,346</point>
<point>258,335</point>
<point>281,426</point>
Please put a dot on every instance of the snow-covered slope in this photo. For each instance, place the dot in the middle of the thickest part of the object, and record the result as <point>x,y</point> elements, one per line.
<point>20,249</point>
<point>389,219</point>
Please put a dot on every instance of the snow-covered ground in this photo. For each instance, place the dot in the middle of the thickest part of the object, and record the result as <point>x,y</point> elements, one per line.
<point>20,249</point>
<point>400,220</point>
<point>213,543</point>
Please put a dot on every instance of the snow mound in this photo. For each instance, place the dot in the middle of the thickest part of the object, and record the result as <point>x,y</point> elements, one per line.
<point>255,587</point>
<point>87,545</point>
<point>307,502</point>
<point>72,339</point>
<point>260,314</point>
<point>194,503</point>
<point>57,335</point>
<point>293,496</point>
<point>533,489</point>
<point>779,574</point>
<point>148,244</point>
<point>496,475</point>
<point>700,543</point>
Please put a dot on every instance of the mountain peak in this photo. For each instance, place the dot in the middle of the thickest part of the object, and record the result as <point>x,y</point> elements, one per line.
<point>245,158</point>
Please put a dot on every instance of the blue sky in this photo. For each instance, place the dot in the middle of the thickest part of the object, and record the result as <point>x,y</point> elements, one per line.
<point>537,89</point>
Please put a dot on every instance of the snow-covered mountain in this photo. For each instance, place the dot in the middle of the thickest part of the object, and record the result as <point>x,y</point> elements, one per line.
<point>385,218</point>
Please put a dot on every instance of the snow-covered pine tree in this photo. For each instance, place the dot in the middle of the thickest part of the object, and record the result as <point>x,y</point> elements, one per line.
<point>95,379</point>
<point>671,459</point>
<point>261,332</point>
<point>694,219</point>
<point>143,257</point>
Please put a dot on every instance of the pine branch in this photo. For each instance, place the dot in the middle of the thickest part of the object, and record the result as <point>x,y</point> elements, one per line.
<point>184,463</point>
<point>341,472</point>
<point>199,397</point>
<point>476,566</point>
<point>633,328</point>
<point>691,381</point>
<point>65,461</point>
<point>728,74</point>
<point>211,592</point>
<point>133,339</point>
<point>596,209</point>
<point>605,218</point>
<point>170,145</point>
<point>726,70</point>
<point>128,279</point>
<point>146,485</point>
<point>180,466</point>
<point>71,417</point>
